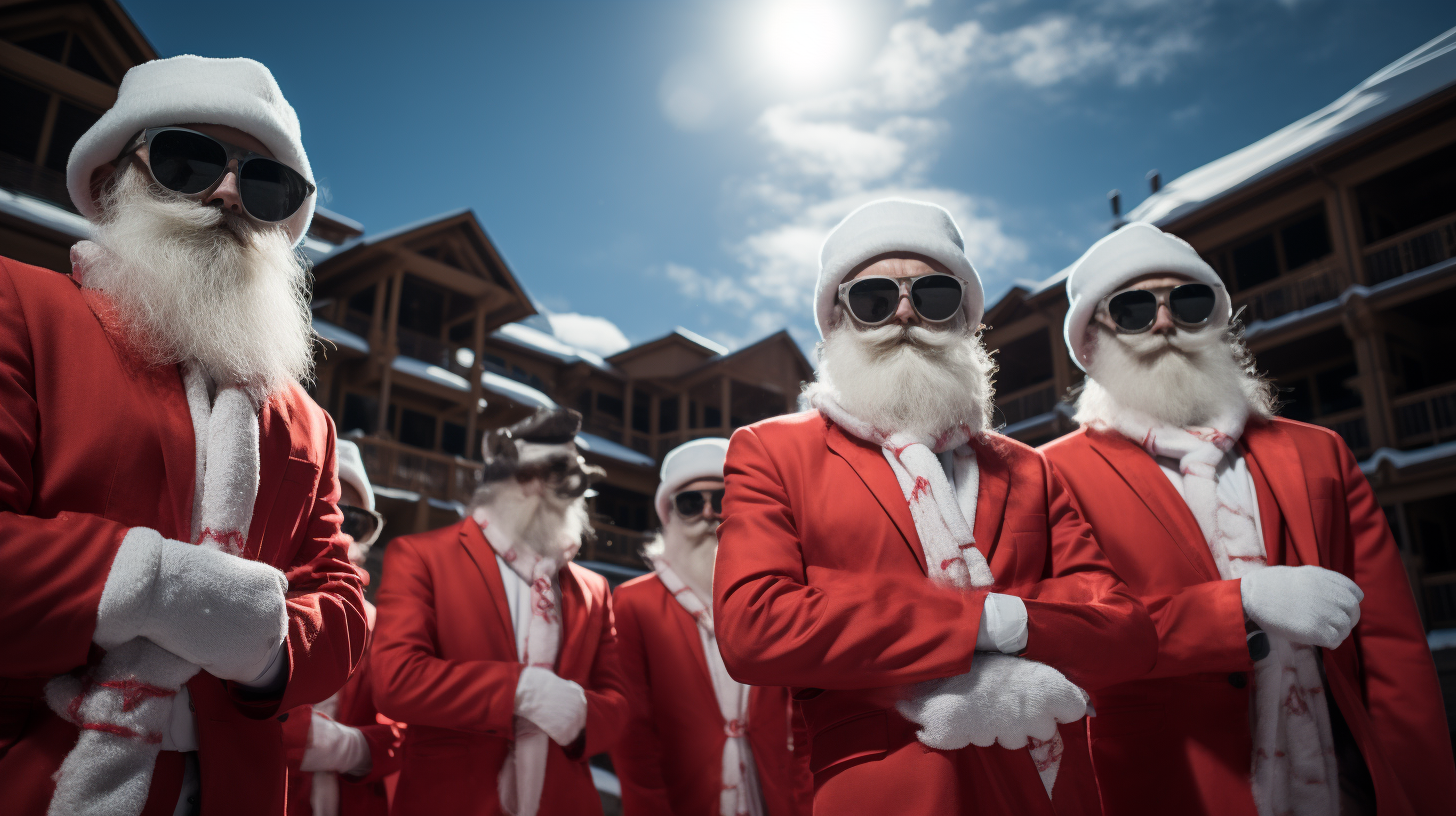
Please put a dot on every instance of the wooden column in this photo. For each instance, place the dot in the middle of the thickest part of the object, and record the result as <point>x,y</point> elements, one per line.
<point>1362,326</point>
<point>682,413</point>
<point>727,406</point>
<point>627,414</point>
<point>391,350</point>
<point>477,370</point>
<point>376,319</point>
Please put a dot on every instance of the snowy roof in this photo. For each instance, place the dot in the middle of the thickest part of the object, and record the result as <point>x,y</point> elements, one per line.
<point>501,386</point>
<point>536,340</point>
<point>612,450</point>
<point>340,336</point>
<point>1400,460</point>
<point>44,213</point>
<point>433,373</point>
<point>715,347</point>
<point>1417,75</point>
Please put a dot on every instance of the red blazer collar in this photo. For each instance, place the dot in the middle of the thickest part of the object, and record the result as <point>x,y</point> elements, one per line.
<point>1278,458</point>
<point>1146,479</point>
<point>687,630</point>
<point>481,553</point>
<point>574,659</point>
<point>992,492</point>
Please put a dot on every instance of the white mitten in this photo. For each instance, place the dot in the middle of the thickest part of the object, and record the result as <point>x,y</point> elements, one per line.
<point>223,613</point>
<point>333,746</point>
<point>556,706</point>
<point>1002,699</point>
<point>1309,605</point>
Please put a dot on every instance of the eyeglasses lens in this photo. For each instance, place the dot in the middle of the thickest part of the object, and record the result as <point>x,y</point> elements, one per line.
<point>690,504</point>
<point>1191,302</point>
<point>1133,311</point>
<point>873,299</point>
<point>359,524</point>
<point>271,191</point>
<point>936,297</point>
<point>185,162</point>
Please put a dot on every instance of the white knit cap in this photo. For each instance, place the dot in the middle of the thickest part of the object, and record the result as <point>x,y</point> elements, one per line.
<point>238,92</point>
<point>894,225</point>
<point>351,470</point>
<point>685,464</point>
<point>1112,263</point>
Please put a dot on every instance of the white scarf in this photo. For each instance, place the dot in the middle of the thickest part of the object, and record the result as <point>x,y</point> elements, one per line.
<point>523,776</point>
<point>944,514</point>
<point>741,794</point>
<point>123,704</point>
<point>1294,768</point>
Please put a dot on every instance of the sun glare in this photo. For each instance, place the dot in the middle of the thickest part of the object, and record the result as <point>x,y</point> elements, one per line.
<point>805,43</point>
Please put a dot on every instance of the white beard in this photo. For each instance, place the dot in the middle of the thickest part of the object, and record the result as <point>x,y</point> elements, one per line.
<point>913,380</point>
<point>195,283</point>
<point>1184,380</point>
<point>690,547</point>
<point>535,516</point>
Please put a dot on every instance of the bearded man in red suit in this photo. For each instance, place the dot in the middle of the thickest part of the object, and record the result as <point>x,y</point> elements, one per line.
<point>1293,675</point>
<point>172,574</point>
<point>698,743</point>
<point>498,651</point>
<point>926,586</point>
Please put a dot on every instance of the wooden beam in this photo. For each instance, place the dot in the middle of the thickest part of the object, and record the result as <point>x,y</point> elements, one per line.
<point>477,370</point>
<point>56,77</point>
<point>391,348</point>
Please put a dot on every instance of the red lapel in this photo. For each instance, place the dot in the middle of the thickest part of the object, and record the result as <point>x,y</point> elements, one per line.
<point>1271,522</point>
<point>576,615</point>
<point>178,443</point>
<point>992,490</point>
<point>481,553</point>
<point>687,630</point>
<point>275,443</point>
<point>1279,459</point>
<point>1142,474</point>
<point>868,461</point>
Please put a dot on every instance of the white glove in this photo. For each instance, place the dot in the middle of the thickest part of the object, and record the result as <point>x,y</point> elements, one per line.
<point>556,706</point>
<point>1309,605</point>
<point>323,796</point>
<point>1002,699</point>
<point>333,746</point>
<point>220,612</point>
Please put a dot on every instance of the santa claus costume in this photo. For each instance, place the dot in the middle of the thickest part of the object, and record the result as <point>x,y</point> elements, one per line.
<point>1293,675</point>
<point>172,576</point>
<point>497,650</point>
<point>698,742</point>
<point>931,594</point>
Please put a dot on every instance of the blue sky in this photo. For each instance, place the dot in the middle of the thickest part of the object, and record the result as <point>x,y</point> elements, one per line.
<point>677,162</point>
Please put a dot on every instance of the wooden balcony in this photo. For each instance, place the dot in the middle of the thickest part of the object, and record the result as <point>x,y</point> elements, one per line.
<point>434,475</point>
<point>1411,251</point>
<point>1425,417</point>
<point>1440,599</point>
<point>1320,282</point>
<point>1350,425</point>
<point>1022,405</point>
<point>615,545</point>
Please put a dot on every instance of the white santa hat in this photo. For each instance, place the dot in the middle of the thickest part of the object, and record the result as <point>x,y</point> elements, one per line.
<point>1131,252</point>
<point>685,464</point>
<point>894,225</point>
<point>238,92</point>
<point>352,472</point>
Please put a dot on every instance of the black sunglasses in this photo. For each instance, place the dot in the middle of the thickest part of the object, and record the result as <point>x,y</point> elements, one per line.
<point>691,503</point>
<point>360,524</point>
<point>191,163</point>
<point>936,297</point>
<point>1135,310</point>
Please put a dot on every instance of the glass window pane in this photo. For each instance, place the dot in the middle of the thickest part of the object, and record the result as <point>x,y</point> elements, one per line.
<point>71,122</point>
<point>417,428</point>
<point>1307,239</point>
<point>1256,262</point>
<point>25,109</point>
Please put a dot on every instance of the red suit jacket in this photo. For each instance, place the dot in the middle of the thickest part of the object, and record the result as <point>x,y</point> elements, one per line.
<point>671,754</point>
<point>358,795</point>
<point>445,661</point>
<point>820,584</point>
<point>1180,736</point>
<point>93,443</point>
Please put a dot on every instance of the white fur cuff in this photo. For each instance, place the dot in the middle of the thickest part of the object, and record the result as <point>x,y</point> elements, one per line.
<point>127,597</point>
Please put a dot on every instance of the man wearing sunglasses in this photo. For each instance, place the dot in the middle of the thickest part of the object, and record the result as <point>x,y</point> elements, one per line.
<point>341,750</point>
<point>1293,674</point>
<point>925,585</point>
<point>497,650</point>
<point>170,553</point>
<point>698,742</point>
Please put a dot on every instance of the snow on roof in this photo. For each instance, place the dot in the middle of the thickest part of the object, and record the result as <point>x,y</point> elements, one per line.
<point>434,373</point>
<point>606,447</point>
<point>1400,460</point>
<point>340,336</point>
<point>548,344</point>
<point>716,348</point>
<point>1411,78</point>
<point>44,213</point>
<point>518,391</point>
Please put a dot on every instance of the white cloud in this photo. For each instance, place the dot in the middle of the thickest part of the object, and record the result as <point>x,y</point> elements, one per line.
<point>596,334</point>
<point>687,95</point>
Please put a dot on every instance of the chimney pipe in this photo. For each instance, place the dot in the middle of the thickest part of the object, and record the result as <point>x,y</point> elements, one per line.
<point>1155,180</point>
<point>1114,197</point>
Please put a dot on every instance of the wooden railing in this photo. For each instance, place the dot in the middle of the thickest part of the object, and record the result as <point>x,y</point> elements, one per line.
<point>1322,282</point>
<point>357,322</point>
<point>1351,427</point>
<point>1411,250</point>
<point>1028,402</point>
<point>1425,417</point>
<point>435,475</point>
<point>1440,598</point>
<point>424,347</point>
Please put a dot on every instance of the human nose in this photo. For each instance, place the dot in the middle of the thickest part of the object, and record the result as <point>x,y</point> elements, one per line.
<point>226,194</point>
<point>710,513</point>
<point>1164,322</point>
<point>905,313</point>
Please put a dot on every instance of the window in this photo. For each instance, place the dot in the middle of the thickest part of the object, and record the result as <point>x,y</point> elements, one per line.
<point>641,412</point>
<point>752,403</point>
<point>363,300</point>
<point>1290,245</point>
<point>712,416</point>
<point>624,508</point>
<point>452,439</point>
<point>417,428</point>
<point>25,111</point>
<point>360,412</point>
<point>1334,388</point>
<point>692,414</point>
<point>1024,362</point>
<point>1408,196</point>
<point>421,306</point>
<point>610,405</point>
<point>667,415</point>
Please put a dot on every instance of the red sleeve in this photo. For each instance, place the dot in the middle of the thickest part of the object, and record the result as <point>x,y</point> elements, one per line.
<point>860,631</point>
<point>385,757</point>
<point>1200,629</point>
<point>327,628</point>
<point>638,757</point>
<point>606,698</point>
<point>295,736</point>
<point>1081,619</point>
<point>52,570</point>
<point>411,683</point>
<point>1401,690</point>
